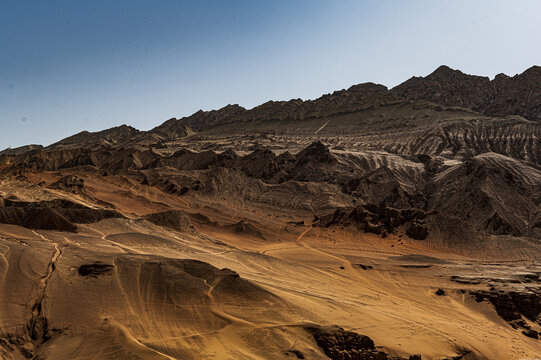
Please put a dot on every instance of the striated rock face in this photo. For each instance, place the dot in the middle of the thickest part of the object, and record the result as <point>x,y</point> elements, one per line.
<point>517,95</point>
<point>314,163</point>
<point>520,94</point>
<point>513,137</point>
<point>503,303</point>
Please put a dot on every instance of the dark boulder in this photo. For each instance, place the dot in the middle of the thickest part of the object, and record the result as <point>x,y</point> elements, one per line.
<point>339,344</point>
<point>417,230</point>
<point>531,333</point>
<point>95,269</point>
<point>296,353</point>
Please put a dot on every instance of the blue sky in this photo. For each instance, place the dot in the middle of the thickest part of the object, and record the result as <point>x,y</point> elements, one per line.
<point>68,66</point>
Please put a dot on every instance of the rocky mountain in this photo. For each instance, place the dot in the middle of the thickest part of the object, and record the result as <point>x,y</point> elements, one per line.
<point>504,95</point>
<point>446,113</point>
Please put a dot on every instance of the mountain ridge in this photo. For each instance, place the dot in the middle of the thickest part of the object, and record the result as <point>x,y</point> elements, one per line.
<point>499,97</point>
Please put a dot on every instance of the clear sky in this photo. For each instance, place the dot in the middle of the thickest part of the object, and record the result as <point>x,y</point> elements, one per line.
<point>73,65</point>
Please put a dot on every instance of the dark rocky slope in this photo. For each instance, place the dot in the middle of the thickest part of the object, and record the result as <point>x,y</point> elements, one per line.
<point>504,95</point>
<point>61,215</point>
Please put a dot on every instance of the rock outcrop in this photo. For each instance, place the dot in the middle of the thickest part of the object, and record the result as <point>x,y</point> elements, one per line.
<point>377,219</point>
<point>339,344</point>
<point>511,306</point>
<point>71,183</point>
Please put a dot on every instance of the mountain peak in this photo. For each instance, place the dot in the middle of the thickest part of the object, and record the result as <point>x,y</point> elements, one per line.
<point>534,71</point>
<point>517,95</point>
<point>368,87</point>
<point>444,70</point>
